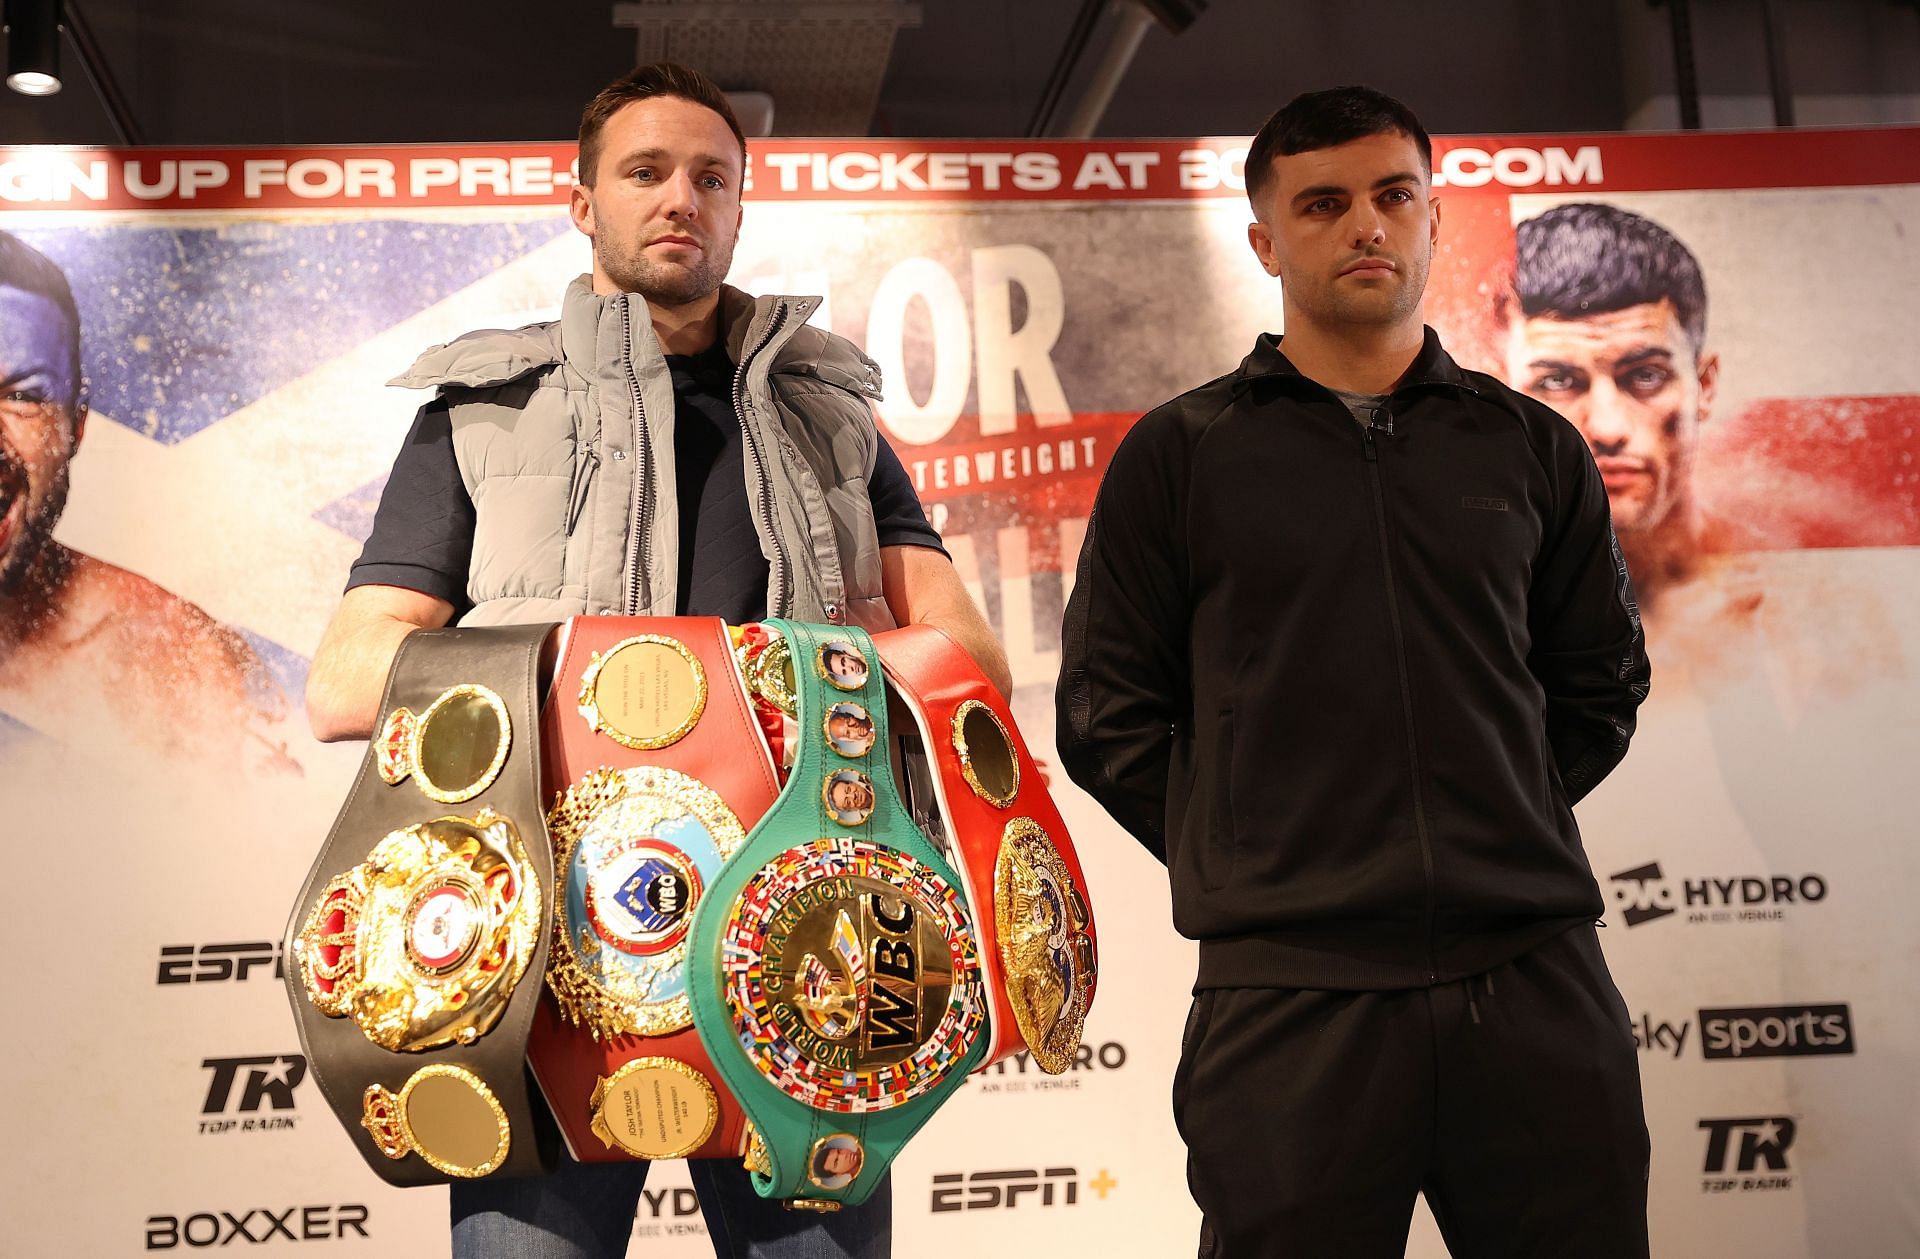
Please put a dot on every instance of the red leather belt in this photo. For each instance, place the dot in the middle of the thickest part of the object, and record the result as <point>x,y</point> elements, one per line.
<point>1006,837</point>
<point>657,770</point>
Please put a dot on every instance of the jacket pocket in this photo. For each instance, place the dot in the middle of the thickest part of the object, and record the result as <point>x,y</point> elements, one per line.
<point>586,461</point>
<point>1216,765</point>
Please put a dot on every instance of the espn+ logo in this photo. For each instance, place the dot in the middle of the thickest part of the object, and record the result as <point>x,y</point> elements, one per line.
<point>219,963</point>
<point>1008,1188</point>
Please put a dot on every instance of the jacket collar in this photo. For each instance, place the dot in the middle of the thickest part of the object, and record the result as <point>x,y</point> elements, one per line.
<point>1433,366</point>
<point>745,321</point>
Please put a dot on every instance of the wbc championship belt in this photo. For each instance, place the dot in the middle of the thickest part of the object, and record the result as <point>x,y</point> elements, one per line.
<point>1023,879</point>
<point>834,968</point>
<point>418,941</point>
<point>656,772</point>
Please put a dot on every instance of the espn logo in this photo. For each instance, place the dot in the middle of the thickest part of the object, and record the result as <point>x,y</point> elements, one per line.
<point>217,963</point>
<point>987,1191</point>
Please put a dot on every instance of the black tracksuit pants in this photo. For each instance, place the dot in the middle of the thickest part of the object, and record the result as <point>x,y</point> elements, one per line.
<point>1313,1118</point>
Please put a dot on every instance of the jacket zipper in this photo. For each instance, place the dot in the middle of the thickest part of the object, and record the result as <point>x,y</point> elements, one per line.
<point>763,480</point>
<point>637,538</point>
<point>1406,686</point>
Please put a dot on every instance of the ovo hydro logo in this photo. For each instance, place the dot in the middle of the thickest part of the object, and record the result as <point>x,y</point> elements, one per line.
<point>1646,894</point>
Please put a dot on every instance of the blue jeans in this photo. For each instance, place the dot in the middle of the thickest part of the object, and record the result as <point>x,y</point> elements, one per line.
<point>586,1211</point>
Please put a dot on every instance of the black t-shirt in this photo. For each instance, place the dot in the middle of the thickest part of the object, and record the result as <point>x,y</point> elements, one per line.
<point>422,536</point>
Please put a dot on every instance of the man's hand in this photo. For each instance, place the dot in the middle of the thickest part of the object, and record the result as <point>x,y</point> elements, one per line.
<point>922,588</point>
<point>350,669</point>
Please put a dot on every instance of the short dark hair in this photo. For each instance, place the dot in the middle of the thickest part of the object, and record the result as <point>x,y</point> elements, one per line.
<point>1320,120</point>
<point>1586,259</point>
<point>662,78</point>
<point>25,268</point>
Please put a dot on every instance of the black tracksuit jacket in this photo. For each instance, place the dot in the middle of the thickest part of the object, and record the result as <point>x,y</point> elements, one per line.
<point>1348,682</point>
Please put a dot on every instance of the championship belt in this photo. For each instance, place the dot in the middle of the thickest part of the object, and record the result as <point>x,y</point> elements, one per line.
<point>1023,879</point>
<point>418,941</point>
<point>835,971</point>
<point>656,771</point>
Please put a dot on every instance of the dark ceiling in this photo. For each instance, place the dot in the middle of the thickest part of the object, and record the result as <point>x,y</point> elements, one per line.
<point>330,71</point>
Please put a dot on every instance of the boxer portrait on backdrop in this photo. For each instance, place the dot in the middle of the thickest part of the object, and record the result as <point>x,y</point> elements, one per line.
<point>79,636</point>
<point>1350,634</point>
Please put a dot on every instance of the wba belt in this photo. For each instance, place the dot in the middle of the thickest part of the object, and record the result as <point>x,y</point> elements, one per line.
<point>834,967</point>
<point>656,771</point>
<point>1023,879</point>
<point>420,934</point>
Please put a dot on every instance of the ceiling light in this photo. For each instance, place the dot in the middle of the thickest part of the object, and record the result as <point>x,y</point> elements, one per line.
<point>33,46</point>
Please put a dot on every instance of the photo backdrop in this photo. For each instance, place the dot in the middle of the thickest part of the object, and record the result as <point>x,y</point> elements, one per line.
<point>241,309</point>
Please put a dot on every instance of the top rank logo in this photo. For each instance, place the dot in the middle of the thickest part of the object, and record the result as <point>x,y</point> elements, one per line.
<point>1645,894</point>
<point>266,1083</point>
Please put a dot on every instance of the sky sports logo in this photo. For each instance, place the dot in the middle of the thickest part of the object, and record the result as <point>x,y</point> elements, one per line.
<point>1769,1031</point>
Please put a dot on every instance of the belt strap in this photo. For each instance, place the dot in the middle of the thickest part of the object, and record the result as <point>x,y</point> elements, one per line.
<point>657,771</point>
<point>835,970</point>
<point>1038,947</point>
<point>420,935</point>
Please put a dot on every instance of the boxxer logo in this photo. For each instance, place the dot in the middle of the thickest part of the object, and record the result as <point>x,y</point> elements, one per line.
<point>219,963</point>
<point>246,1086</point>
<point>262,1224</point>
<point>1747,1154</point>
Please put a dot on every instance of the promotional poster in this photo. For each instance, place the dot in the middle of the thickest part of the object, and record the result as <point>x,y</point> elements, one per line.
<point>176,528</point>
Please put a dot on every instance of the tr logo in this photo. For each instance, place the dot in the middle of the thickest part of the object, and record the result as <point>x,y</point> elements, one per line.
<point>1762,1142</point>
<point>269,1080</point>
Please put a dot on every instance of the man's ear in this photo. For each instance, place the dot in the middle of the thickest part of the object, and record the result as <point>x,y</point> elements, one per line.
<point>1709,381</point>
<point>580,209</point>
<point>1261,239</point>
<point>1433,221</point>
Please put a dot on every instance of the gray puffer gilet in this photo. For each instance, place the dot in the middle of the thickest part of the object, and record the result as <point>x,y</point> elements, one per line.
<point>564,436</point>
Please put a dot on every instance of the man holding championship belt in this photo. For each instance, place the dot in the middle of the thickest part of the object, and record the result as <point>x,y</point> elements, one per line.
<point>670,447</point>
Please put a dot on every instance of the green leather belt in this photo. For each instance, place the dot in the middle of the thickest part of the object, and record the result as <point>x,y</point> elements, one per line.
<point>834,970</point>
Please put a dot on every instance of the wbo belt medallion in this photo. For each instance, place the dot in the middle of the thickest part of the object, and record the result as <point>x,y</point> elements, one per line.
<point>1045,947</point>
<point>635,849</point>
<point>422,943</point>
<point>852,972</point>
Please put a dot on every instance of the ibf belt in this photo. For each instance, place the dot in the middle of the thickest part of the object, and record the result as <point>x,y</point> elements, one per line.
<point>419,938</point>
<point>835,971</point>
<point>1022,876</point>
<point>656,771</point>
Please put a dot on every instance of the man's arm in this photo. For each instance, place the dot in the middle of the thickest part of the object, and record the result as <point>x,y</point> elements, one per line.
<point>1125,679</point>
<point>1588,649</point>
<point>922,588</point>
<point>350,668</point>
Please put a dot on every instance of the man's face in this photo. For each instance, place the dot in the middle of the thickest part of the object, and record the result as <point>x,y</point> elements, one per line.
<point>40,422</point>
<point>1350,231</point>
<point>851,797</point>
<point>1630,382</point>
<point>664,209</point>
<point>847,728</point>
<point>835,1161</point>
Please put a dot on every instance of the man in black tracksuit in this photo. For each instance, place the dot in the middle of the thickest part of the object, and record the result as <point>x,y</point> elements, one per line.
<point>1350,635</point>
